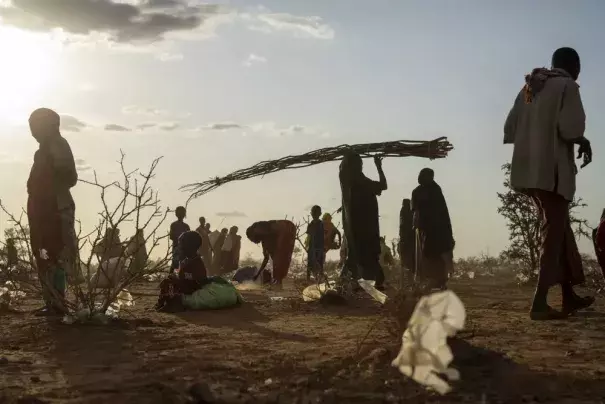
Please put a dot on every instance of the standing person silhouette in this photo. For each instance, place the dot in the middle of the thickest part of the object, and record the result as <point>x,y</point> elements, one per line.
<point>432,220</point>
<point>51,209</point>
<point>546,121</point>
<point>177,228</point>
<point>360,218</point>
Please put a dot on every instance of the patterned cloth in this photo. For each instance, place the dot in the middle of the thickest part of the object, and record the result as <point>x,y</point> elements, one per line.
<point>535,81</point>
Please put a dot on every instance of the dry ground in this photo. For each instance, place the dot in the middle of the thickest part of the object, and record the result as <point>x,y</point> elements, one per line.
<point>291,352</point>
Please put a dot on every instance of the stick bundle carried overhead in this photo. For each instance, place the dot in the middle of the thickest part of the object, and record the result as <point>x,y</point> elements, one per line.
<point>433,149</point>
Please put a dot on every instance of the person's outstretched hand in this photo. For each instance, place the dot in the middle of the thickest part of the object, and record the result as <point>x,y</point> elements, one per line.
<point>585,152</point>
<point>378,161</point>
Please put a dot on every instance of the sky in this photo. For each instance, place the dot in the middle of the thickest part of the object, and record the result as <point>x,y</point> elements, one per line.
<point>215,87</point>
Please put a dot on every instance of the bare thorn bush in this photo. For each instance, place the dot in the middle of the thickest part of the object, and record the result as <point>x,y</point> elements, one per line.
<point>108,266</point>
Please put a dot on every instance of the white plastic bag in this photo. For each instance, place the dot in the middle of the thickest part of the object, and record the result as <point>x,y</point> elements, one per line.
<point>368,286</point>
<point>424,351</point>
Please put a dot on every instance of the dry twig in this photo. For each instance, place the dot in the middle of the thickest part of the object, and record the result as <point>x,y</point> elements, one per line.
<point>434,149</point>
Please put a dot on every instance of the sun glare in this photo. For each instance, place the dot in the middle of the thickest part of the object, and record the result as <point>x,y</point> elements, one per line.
<point>26,71</point>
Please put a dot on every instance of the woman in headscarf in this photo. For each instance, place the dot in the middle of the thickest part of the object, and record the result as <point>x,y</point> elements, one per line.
<point>45,229</point>
<point>277,238</point>
<point>217,248</point>
<point>360,218</point>
<point>137,251</point>
<point>432,220</point>
<point>332,237</point>
<point>109,246</point>
<point>230,251</point>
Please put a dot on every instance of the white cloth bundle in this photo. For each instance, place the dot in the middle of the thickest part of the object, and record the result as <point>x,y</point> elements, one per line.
<point>424,350</point>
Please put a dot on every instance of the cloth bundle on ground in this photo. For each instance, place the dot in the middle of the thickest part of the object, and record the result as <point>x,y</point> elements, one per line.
<point>218,293</point>
<point>246,274</point>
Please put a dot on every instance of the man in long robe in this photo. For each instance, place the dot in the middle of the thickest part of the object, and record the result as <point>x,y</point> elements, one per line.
<point>51,209</point>
<point>360,218</point>
<point>546,121</point>
<point>432,221</point>
<point>407,237</point>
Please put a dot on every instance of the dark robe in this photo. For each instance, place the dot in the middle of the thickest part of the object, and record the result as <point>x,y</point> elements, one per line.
<point>360,222</point>
<point>407,239</point>
<point>434,221</point>
<point>45,223</point>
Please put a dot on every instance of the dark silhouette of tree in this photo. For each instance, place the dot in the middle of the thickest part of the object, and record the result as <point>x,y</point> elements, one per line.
<point>524,224</point>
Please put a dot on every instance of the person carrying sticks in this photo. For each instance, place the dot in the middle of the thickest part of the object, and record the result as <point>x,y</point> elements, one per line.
<point>546,121</point>
<point>360,218</point>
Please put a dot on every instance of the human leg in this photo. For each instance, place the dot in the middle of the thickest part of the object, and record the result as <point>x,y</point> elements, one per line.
<point>70,257</point>
<point>553,211</point>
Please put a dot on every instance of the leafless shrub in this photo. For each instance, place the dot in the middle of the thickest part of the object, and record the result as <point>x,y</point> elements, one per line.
<point>130,202</point>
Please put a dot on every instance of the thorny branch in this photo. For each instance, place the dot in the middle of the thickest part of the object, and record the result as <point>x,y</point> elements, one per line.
<point>138,206</point>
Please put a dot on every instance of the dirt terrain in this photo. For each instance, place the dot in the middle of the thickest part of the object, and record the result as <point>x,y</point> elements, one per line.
<point>286,351</point>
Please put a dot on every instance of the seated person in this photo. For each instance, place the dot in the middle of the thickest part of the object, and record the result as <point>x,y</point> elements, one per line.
<point>192,274</point>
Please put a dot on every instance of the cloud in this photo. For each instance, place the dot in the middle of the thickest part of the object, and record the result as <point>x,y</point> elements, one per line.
<point>300,26</point>
<point>82,165</point>
<point>254,60</point>
<point>222,126</point>
<point>268,128</point>
<point>146,125</point>
<point>234,213</point>
<point>72,124</point>
<point>112,127</point>
<point>273,129</point>
<point>169,126</point>
<point>138,110</point>
<point>123,22</point>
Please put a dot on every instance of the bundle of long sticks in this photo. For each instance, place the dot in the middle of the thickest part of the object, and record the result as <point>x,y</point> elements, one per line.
<point>434,149</point>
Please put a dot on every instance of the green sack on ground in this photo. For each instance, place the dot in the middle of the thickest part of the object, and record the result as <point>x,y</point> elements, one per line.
<point>217,294</point>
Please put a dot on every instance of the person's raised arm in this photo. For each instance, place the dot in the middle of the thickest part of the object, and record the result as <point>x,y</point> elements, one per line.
<point>382,178</point>
<point>510,125</point>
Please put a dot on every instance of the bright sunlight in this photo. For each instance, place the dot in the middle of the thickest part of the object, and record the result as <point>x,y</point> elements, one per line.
<point>26,70</point>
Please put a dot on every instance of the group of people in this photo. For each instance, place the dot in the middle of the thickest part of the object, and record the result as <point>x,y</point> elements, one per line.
<point>426,240</point>
<point>545,123</point>
<point>219,250</point>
